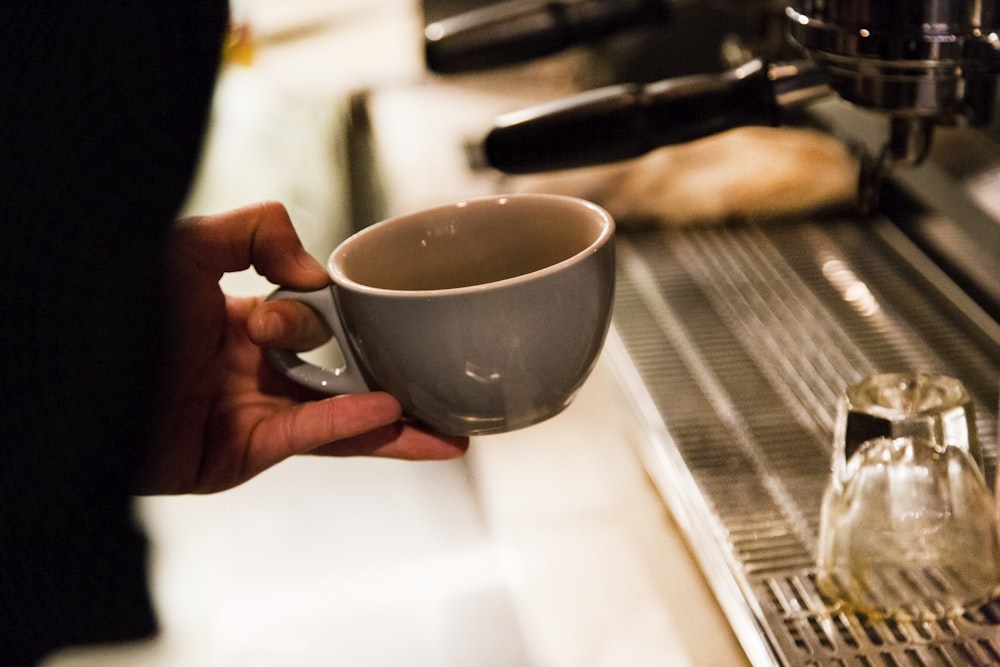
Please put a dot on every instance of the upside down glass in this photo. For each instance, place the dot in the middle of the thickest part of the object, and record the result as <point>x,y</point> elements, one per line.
<point>908,525</point>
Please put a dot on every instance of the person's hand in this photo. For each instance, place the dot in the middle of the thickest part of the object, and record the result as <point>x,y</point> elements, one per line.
<point>227,414</point>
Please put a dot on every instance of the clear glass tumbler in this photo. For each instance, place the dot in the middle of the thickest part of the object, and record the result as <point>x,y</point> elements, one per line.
<point>908,526</point>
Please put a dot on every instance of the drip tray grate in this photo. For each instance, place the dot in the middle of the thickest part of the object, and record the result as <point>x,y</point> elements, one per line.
<point>733,344</point>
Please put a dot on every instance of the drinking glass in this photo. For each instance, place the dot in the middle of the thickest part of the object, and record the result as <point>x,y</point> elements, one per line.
<point>908,526</point>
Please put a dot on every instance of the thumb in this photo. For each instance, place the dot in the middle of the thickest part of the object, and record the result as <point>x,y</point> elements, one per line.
<point>287,324</point>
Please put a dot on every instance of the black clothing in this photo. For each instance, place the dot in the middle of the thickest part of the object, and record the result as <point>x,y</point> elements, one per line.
<point>102,110</point>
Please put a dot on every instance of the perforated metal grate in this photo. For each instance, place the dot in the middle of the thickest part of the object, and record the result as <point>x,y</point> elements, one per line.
<point>734,344</point>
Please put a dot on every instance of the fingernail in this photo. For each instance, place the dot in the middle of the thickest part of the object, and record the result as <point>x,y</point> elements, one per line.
<point>268,327</point>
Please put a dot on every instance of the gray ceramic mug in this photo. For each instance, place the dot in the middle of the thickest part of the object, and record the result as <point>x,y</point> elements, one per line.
<point>482,316</point>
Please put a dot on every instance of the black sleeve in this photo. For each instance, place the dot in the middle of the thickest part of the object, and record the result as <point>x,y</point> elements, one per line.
<point>102,111</point>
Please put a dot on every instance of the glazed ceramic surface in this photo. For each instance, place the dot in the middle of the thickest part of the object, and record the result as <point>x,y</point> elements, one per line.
<point>480,317</point>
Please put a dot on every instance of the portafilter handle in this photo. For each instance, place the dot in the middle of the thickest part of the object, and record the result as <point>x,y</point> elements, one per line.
<point>628,120</point>
<point>515,31</point>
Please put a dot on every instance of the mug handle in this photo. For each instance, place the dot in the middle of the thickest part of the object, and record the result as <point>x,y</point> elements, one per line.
<point>347,379</point>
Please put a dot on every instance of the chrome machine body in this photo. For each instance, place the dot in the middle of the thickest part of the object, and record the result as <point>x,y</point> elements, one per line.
<point>924,63</point>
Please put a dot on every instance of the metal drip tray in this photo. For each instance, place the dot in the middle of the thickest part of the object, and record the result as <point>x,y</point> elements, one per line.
<point>733,344</point>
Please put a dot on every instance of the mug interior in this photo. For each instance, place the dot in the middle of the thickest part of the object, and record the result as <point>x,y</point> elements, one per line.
<point>476,242</point>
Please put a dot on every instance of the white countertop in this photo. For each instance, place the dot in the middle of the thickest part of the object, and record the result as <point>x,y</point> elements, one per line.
<point>547,547</point>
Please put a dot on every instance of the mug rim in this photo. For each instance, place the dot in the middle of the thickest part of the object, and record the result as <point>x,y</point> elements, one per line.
<point>606,233</point>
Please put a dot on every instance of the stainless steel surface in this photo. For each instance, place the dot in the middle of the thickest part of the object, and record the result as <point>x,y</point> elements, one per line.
<point>948,204</point>
<point>733,344</point>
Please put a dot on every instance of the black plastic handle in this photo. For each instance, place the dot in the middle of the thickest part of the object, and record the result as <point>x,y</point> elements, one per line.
<point>519,30</point>
<point>625,121</point>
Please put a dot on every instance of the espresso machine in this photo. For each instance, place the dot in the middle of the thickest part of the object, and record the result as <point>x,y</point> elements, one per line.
<point>734,341</point>
<point>922,65</point>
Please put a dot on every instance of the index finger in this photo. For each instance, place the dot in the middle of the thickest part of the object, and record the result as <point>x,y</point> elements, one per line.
<point>259,235</point>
